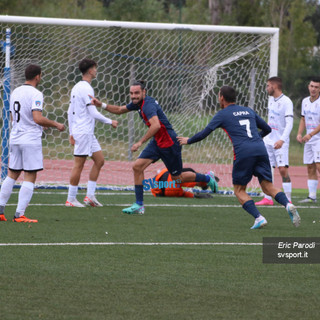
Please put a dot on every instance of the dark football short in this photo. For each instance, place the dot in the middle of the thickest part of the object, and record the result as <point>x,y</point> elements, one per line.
<point>171,156</point>
<point>245,168</point>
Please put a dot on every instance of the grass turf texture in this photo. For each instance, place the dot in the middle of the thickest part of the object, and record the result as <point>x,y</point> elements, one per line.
<point>153,282</point>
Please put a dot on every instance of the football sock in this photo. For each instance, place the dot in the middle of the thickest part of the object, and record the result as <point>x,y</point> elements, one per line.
<point>25,195</point>
<point>6,190</point>
<point>202,177</point>
<point>72,192</point>
<point>281,198</point>
<point>287,188</point>
<point>91,188</point>
<point>312,186</point>
<point>138,189</point>
<point>250,207</point>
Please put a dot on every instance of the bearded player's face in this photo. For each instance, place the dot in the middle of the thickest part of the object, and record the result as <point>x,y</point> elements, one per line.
<point>270,88</point>
<point>137,94</point>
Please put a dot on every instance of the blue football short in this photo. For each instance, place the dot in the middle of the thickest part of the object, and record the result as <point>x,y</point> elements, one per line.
<point>245,168</point>
<point>171,156</point>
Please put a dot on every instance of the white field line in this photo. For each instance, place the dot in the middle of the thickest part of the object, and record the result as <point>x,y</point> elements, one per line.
<point>165,205</point>
<point>129,204</point>
<point>134,244</point>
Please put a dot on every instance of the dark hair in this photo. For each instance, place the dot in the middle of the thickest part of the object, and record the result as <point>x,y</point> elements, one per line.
<point>86,64</point>
<point>315,79</point>
<point>32,71</point>
<point>228,93</point>
<point>277,81</point>
<point>140,83</point>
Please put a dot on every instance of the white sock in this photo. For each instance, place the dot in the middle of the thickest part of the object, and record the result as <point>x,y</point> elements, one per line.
<point>268,197</point>
<point>25,195</point>
<point>260,218</point>
<point>6,190</point>
<point>312,186</point>
<point>91,188</point>
<point>287,188</point>
<point>72,192</point>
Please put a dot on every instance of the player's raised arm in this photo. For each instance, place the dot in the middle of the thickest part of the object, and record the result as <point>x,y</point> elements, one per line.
<point>111,108</point>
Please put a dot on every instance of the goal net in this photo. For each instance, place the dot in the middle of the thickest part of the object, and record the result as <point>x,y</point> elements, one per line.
<point>183,65</point>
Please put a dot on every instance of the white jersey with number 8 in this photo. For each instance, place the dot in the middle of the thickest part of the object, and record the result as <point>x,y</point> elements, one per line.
<point>23,101</point>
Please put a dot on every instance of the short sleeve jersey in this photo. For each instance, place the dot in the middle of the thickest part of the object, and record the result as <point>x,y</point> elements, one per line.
<point>241,125</point>
<point>23,101</point>
<point>149,108</point>
<point>311,113</point>
<point>83,122</point>
<point>278,109</point>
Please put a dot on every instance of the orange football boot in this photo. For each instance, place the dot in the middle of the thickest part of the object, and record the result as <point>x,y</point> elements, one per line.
<point>24,219</point>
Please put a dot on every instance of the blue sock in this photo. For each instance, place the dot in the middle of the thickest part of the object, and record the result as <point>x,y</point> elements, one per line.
<point>138,189</point>
<point>251,208</point>
<point>281,198</point>
<point>202,177</point>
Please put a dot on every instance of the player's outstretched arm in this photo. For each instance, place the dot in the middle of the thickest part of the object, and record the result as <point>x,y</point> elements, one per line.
<point>45,122</point>
<point>183,140</point>
<point>114,123</point>
<point>99,117</point>
<point>197,137</point>
<point>111,108</point>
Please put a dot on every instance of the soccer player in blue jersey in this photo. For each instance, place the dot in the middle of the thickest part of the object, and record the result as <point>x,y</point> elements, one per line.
<point>163,145</point>
<point>250,155</point>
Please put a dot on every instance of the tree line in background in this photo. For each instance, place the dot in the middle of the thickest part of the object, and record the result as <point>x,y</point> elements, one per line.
<point>298,20</point>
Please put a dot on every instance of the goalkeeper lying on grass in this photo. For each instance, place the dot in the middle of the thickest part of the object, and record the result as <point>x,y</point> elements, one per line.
<point>176,190</point>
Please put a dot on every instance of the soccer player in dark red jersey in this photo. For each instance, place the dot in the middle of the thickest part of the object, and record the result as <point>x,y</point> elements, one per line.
<point>163,144</point>
<point>250,154</point>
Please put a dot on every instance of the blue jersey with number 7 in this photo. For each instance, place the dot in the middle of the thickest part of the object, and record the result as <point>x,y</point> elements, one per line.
<point>242,126</point>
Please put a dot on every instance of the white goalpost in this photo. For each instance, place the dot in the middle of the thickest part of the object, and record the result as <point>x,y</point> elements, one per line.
<point>183,66</point>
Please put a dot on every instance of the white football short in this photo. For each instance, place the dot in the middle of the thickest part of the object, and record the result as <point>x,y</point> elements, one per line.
<point>278,157</point>
<point>85,145</point>
<point>311,152</point>
<point>26,157</point>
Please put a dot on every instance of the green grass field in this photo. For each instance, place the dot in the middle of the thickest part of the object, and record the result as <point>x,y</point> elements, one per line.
<point>183,259</point>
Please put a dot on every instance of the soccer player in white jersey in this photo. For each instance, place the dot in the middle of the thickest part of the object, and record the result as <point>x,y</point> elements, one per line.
<point>310,120</point>
<point>81,117</point>
<point>26,104</point>
<point>280,119</point>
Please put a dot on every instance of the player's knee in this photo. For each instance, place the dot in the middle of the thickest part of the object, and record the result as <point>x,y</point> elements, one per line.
<point>284,172</point>
<point>137,168</point>
<point>312,170</point>
<point>100,163</point>
<point>78,167</point>
<point>236,193</point>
